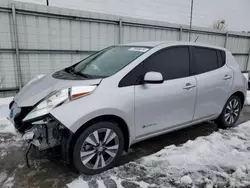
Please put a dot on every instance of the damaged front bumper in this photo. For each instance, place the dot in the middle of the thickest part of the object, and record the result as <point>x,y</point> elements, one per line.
<point>46,135</point>
<point>47,138</point>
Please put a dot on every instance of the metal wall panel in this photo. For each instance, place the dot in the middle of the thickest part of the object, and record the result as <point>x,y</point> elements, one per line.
<point>35,64</point>
<point>136,34</point>
<point>241,60</point>
<point>185,36</point>
<point>52,38</point>
<point>5,30</point>
<point>8,94</point>
<point>218,40</point>
<point>7,70</point>
<point>238,44</point>
<point>36,32</point>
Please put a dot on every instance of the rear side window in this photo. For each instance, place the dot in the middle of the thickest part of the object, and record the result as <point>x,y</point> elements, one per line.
<point>173,63</point>
<point>205,60</point>
<point>221,58</point>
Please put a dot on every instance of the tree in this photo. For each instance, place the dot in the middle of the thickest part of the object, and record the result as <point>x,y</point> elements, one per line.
<point>220,24</point>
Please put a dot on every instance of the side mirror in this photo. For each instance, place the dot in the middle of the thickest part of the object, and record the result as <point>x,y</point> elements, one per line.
<point>153,78</point>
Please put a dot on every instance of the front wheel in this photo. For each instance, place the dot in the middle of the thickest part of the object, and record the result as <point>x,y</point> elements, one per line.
<point>98,148</point>
<point>230,113</point>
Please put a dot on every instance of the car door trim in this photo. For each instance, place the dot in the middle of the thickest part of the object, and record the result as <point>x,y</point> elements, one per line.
<point>173,128</point>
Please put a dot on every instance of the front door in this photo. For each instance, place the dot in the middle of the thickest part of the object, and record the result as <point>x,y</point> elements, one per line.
<point>163,106</point>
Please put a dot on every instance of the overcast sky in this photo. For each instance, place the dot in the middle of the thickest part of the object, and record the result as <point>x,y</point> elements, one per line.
<point>236,13</point>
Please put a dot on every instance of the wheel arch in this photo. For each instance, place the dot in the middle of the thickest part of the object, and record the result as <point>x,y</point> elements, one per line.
<point>241,95</point>
<point>113,118</point>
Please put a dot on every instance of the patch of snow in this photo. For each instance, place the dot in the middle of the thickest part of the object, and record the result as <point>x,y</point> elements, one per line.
<point>5,125</point>
<point>78,183</point>
<point>3,177</point>
<point>14,142</point>
<point>9,183</point>
<point>221,159</point>
<point>100,184</point>
<point>118,181</point>
<point>6,100</point>
<point>21,166</point>
<point>247,102</point>
<point>186,180</point>
<point>246,76</point>
<point>3,153</point>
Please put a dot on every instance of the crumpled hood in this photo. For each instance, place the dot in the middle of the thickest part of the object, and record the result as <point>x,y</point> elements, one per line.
<point>39,89</point>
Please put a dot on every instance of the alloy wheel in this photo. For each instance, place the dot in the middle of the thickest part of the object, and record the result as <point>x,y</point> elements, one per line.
<point>232,112</point>
<point>99,148</point>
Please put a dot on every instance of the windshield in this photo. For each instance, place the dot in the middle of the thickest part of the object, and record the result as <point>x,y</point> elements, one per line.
<point>109,61</point>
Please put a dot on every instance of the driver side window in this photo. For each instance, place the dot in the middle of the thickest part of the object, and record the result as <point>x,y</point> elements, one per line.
<point>172,63</point>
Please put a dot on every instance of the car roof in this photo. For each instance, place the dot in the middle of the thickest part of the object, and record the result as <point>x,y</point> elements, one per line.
<point>170,43</point>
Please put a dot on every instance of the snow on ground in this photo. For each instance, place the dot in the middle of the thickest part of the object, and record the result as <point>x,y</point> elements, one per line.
<point>221,159</point>
<point>5,125</point>
<point>247,102</point>
<point>8,139</point>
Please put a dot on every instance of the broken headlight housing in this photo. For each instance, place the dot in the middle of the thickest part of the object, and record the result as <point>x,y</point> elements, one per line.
<point>58,98</point>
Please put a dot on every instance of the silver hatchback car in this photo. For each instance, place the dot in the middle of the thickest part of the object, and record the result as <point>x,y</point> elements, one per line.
<point>91,112</point>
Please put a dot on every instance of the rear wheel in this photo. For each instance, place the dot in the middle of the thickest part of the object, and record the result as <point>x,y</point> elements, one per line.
<point>230,113</point>
<point>98,148</point>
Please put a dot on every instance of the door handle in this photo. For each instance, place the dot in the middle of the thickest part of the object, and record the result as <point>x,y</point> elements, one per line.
<point>188,86</point>
<point>227,77</point>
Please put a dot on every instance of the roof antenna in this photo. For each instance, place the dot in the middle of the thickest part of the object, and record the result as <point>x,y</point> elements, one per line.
<point>196,38</point>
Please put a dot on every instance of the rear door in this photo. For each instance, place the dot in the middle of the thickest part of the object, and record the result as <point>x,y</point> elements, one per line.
<point>214,81</point>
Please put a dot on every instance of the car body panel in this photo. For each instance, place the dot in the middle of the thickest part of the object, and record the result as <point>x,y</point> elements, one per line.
<point>213,91</point>
<point>99,104</point>
<point>239,81</point>
<point>160,106</point>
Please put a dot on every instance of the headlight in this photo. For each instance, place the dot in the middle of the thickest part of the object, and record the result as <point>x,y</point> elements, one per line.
<point>48,104</point>
<point>58,98</point>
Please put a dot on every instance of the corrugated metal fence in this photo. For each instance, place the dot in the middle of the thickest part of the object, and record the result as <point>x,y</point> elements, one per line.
<point>36,39</point>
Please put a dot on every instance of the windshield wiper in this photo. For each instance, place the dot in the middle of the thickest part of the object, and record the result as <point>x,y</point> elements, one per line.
<point>72,71</point>
<point>83,74</point>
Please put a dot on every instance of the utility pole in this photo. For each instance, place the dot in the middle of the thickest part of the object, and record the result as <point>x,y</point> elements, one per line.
<point>191,19</point>
<point>47,2</point>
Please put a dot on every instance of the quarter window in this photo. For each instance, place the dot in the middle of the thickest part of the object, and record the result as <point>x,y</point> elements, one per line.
<point>205,60</point>
<point>221,58</point>
<point>172,63</point>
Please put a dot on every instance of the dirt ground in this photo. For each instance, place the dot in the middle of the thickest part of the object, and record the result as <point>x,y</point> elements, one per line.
<point>44,173</point>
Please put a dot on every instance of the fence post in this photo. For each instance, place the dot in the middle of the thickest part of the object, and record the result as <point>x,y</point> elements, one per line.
<point>180,34</point>
<point>248,58</point>
<point>18,67</point>
<point>226,37</point>
<point>120,31</point>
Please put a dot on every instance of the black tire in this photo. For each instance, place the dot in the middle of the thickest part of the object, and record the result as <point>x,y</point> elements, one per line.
<point>221,120</point>
<point>103,125</point>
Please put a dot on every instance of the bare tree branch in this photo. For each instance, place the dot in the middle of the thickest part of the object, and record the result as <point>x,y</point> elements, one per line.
<point>220,24</point>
